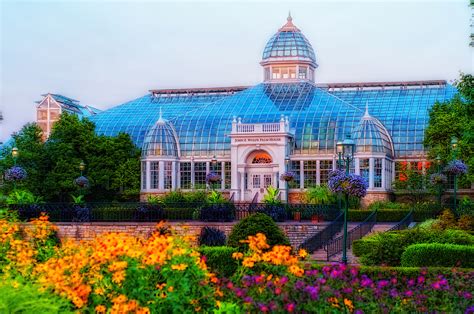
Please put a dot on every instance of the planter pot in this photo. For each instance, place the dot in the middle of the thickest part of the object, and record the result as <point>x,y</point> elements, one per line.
<point>316,218</point>
<point>297,216</point>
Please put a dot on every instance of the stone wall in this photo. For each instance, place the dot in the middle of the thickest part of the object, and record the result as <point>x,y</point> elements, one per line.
<point>296,231</point>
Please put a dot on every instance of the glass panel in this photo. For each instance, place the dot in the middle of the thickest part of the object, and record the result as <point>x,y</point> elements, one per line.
<point>185,175</point>
<point>295,168</point>
<point>325,166</point>
<point>377,173</point>
<point>364,168</point>
<point>310,170</point>
<point>143,175</point>
<point>267,180</point>
<point>200,175</point>
<point>256,181</point>
<point>168,175</point>
<point>228,178</point>
<point>154,175</point>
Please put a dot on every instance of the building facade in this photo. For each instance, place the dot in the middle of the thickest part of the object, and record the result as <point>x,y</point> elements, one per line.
<point>250,135</point>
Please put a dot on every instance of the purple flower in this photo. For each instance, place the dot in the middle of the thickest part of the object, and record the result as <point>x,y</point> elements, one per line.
<point>287,176</point>
<point>438,178</point>
<point>82,182</point>
<point>312,291</point>
<point>382,283</point>
<point>351,184</point>
<point>213,177</point>
<point>456,167</point>
<point>469,310</point>
<point>409,293</point>
<point>15,173</point>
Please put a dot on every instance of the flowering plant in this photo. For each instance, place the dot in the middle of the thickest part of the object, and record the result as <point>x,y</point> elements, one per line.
<point>350,184</point>
<point>213,177</point>
<point>438,178</point>
<point>15,173</point>
<point>82,182</point>
<point>287,176</point>
<point>456,167</point>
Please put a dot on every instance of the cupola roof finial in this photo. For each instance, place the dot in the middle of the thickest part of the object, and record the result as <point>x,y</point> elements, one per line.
<point>289,26</point>
<point>366,114</point>
<point>289,18</point>
<point>160,118</point>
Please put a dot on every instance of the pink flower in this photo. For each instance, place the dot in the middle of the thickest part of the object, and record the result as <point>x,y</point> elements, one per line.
<point>290,307</point>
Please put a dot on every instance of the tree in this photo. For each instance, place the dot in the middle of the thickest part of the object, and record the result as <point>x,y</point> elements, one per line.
<point>454,118</point>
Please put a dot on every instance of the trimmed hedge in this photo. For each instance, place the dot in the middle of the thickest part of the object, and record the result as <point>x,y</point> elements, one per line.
<point>387,248</point>
<point>437,254</point>
<point>219,259</point>
<point>391,215</point>
<point>253,224</point>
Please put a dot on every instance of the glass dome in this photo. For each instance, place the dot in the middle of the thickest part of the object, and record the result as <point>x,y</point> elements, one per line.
<point>289,44</point>
<point>161,140</point>
<point>372,137</point>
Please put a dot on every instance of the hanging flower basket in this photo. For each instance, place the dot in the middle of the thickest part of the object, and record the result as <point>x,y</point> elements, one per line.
<point>287,176</point>
<point>456,167</point>
<point>350,184</point>
<point>82,182</point>
<point>438,179</point>
<point>213,177</point>
<point>15,173</point>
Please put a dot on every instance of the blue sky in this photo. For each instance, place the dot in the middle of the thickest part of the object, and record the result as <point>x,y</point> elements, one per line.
<point>105,53</point>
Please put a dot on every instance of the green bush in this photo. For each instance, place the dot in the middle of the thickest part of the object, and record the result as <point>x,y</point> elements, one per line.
<point>219,259</point>
<point>387,205</point>
<point>387,248</point>
<point>252,225</point>
<point>383,215</point>
<point>26,298</point>
<point>437,254</point>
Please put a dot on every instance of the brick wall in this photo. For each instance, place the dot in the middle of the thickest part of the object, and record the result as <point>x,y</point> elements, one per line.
<point>297,232</point>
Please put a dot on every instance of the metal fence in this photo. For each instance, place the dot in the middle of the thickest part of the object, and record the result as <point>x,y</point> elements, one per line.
<point>320,239</point>
<point>335,246</point>
<point>147,212</point>
<point>404,223</point>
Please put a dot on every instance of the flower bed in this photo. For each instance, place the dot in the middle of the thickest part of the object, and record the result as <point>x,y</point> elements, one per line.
<point>118,273</point>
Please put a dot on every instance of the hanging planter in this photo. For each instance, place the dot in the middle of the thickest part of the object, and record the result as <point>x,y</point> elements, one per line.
<point>349,184</point>
<point>213,177</point>
<point>82,182</point>
<point>15,173</point>
<point>456,167</point>
<point>438,179</point>
<point>287,176</point>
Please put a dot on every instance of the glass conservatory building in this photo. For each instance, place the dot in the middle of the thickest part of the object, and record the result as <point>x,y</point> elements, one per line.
<point>250,135</point>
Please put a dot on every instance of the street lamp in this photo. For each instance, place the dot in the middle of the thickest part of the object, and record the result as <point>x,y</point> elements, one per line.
<point>454,146</point>
<point>287,162</point>
<point>348,147</point>
<point>438,166</point>
<point>15,154</point>
<point>339,167</point>
<point>82,166</point>
<point>213,167</point>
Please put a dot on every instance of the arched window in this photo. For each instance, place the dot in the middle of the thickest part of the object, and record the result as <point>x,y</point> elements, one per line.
<point>262,158</point>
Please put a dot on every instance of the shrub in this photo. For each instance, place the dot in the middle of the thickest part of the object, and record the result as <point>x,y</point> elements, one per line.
<point>254,224</point>
<point>320,194</point>
<point>466,222</point>
<point>437,254</point>
<point>217,212</point>
<point>219,259</point>
<point>383,215</point>
<point>387,205</point>
<point>387,248</point>
<point>446,220</point>
<point>212,237</point>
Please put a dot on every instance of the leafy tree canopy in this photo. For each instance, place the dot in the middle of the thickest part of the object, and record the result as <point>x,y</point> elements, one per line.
<point>112,163</point>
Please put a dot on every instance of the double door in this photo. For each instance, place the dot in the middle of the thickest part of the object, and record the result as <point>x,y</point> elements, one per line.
<point>258,183</point>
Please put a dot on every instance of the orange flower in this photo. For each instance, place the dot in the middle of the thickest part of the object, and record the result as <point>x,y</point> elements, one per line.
<point>100,309</point>
<point>302,253</point>
<point>237,255</point>
<point>179,267</point>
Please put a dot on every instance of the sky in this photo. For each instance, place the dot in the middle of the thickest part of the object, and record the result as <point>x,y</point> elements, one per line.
<point>105,53</point>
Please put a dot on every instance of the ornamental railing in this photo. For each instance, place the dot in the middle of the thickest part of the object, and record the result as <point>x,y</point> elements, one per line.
<point>335,246</point>
<point>320,239</point>
<point>147,212</point>
<point>404,223</point>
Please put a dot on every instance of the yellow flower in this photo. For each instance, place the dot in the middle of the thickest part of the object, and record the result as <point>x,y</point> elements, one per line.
<point>237,255</point>
<point>349,305</point>
<point>179,267</point>
<point>118,277</point>
<point>170,289</point>
<point>120,299</point>
<point>100,309</point>
<point>15,284</point>
<point>248,262</point>
<point>302,253</point>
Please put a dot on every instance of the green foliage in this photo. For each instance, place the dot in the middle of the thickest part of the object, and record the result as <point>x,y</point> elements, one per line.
<point>112,163</point>
<point>219,259</point>
<point>437,254</point>
<point>78,200</point>
<point>216,197</point>
<point>387,205</point>
<point>271,197</point>
<point>252,225</point>
<point>387,248</point>
<point>453,118</point>
<point>320,194</point>
<point>413,183</point>
<point>24,297</point>
<point>210,236</point>
<point>23,197</point>
<point>228,308</point>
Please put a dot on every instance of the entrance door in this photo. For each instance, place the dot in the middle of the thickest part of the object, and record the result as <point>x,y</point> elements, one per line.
<point>259,182</point>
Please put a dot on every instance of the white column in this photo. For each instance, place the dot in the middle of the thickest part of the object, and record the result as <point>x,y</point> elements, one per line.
<point>161,175</point>
<point>147,186</point>
<point>222,175</point>
<point>357,166</point>
<point>371,173</point>
<point>301,174</point>
<point>318,172</point>
<point>173,175</point>
<point>192,174</point>
<point>383,174</point>
<point>178,175</point>
<point>242,186</point>
<point>208,169</point>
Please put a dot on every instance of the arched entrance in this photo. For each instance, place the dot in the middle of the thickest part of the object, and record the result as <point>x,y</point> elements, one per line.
<point>260,173</point>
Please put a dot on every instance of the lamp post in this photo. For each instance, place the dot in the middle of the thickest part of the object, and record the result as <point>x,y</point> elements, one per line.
<point>454,146</point>
<point>438,165</point>
<point>82,166</point>
<point>213,167</point>
<point>287,162</point>
<point>15,154</point>
<point>339,167</point>
<point>348,147</point>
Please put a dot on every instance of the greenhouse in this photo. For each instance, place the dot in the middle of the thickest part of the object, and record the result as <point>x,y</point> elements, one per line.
<point>249,136</point>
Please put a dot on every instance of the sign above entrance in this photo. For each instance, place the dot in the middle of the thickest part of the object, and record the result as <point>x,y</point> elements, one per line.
<point>258,140</point>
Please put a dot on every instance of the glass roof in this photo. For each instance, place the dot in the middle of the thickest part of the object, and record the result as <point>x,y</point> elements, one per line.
<point>372,137</point>
<point>320,118</point>
<point>160,140</point>
<point>289,44</point>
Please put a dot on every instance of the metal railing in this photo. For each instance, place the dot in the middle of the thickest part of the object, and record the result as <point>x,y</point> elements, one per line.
<point>335,246</point>
<point>320,239</point>
<point>404,223</point>
<point>147,212</point>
